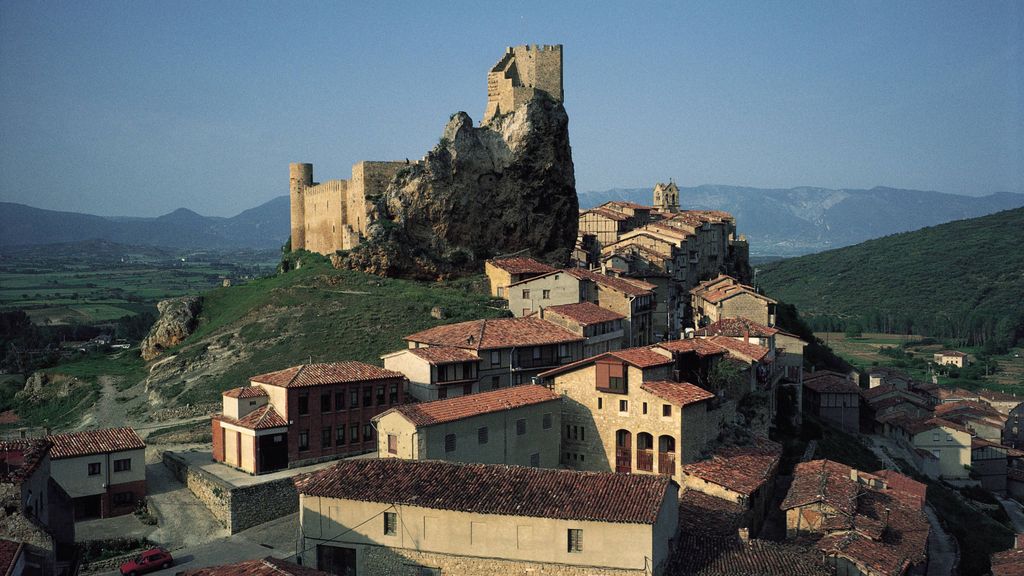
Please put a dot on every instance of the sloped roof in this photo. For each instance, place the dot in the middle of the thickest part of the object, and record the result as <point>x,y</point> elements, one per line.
<point>741,469</point>
<point>305,375</point>
<point>469,405</point>
<point>521,265</point>
<point>678,393</point>
<point>832,383</point>
<point>630,287</point>
<point>745,349</point>
<point>20,458</point>
<point>443,354</point>
<point>640,357</point>
<point>610,214</point>
<point>494,489</point>
<point>584,313</point>
<point>822,481</point>
<point>737,327</point>
<point>1008,562</point>
<point>495,333</point>
<point>700,346</point>
<point>103,441</point>
<point>268,566</point>
<point>243,392</point>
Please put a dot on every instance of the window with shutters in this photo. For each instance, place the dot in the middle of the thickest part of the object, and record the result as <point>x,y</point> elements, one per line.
<point>535,459</point>
<point>546,422</point>
<point>520,426</point>
<point>575,538</point>
<point>449,442</point>
<point>392,444</point>
<point>390,523</point>
<point>481,435</point>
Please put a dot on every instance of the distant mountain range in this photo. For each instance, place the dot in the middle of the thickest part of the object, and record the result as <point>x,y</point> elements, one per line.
<point>777,222</point>
<point>805,220</point>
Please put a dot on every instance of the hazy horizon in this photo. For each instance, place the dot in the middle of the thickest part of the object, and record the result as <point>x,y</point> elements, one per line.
<point>137,109</point>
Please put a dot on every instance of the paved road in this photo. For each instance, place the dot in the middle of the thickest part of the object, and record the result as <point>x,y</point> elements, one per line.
<point>183,519</point>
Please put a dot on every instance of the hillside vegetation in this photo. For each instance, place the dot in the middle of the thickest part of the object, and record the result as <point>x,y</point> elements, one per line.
<point>963,280</point>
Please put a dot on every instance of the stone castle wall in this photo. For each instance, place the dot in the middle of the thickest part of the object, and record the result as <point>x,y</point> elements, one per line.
<point>520,74</point>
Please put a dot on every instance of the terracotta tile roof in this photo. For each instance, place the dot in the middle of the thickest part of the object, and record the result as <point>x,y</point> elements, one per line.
<point>494,489</point>
<point>19,459</point>
<point>610,214</point>
<point>444,355</point>
<point>495,333</point>
<point>699,346</point>
<point>737,328</point>
<point>982,443</point>
<point>641,357</point>
<point>701,513</point>
<point>905,488</point>
<point>268,566</point>
<point>870,394</point>
<point>246,392</point>
<point>822,481</point>
<point>584,313</point>
<point>467,406</point>
<point>997,396</point>
<point>629,287</point>
<point>955,394</point>
<point>328,373</point>
<point>831,383</point>
<point>952,353</point>
<point>969,408</point>
<point>699,555</point>
<point>1008,563</point>
<point>741,469</point>
<point>678,393</point>
<point>263,418</point>
<point>521,265</point>
<point>915,427</point>
<point>625,204</point>
<point>103,441</point>
<point>10,551</point>
<point>1014,473</point>
<point>745,350</point>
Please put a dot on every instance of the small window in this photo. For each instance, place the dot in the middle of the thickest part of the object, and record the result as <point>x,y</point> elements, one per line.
<point>546,294</point>
<point>520,426</point>
<point>535,459</point>
<point>600,403</point>
<point>94,468</point>
<point>495,382</point>
<point>368,396</point>
<point>393,394</point>
<point>575,540</point>
<point>645,407</point>
<point>325,437</point>
<point>339,401</point>
<point>304,440</point>
<point>666,409</point>
<point>123,465</point>
<point>536,353</point>
<point>481,435</point>
<point>526,294</point>
<point>380,395</point>
<point>392,444</point>
<point>353,433</point>
<point>546,421</point>
<point>501,291</point>
<point>325,402</point>
<point>367,432</point>
<point>495,357</point>
<point>339,435</point>
<point>390,523</point>
<point>449,442</point>
<point>304,403</point>
<point>353,397</point>
<point>623,406</point>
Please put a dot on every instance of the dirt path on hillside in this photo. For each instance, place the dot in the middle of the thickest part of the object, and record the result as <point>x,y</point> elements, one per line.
<point>113,408</point>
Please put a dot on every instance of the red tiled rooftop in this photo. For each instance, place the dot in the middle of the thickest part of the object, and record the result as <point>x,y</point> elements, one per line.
<point>822,481</point>
<point>10,551</point>
<point>997,396</point>
<point>953,353</point>
<point>698,554</point>
<point>625,204</point>
<point>494,489</point>
<point>327,373</point>
<point>444,355</point>
<point>20,458</point>
<point>831,383</point>
<point>495,333</point>
<point>630,287</point>
<point>699,346</point>
<point>701,513</point>
<point>246,392</point>
<point>915,427</point>
<point>467,406</point>
<point>1008,562</point>
<point>741,469</point>
<point>737,328</point>
<point>268,566</point>
<point>584,313</point>
<point>610,214</point>
<point>521,266</point>
<point>678,393</point>
<point>641,357</point>
<point>970,408</point>
<point>103,441</point>
<point>262,418</point>
<point>746,349</point>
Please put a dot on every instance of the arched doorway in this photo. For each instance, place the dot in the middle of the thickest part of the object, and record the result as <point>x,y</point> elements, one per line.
<point>666,455</point>
<point>623,451</point>
<point>645,452</point>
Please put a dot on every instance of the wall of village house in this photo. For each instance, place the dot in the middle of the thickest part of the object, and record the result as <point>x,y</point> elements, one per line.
<point>988,465</point>
<point>417,371</point>
<point>746,306</point>
<point>15,526</point>
<point>605,229</point>
<point>277,396</point>
<point>468,543</point>
<point>951,446</point>
<point>504,444</point>
<point>240,407</point>
<point>498,279</point>
<point>1013,431</point>
<point>807,519</point>
<point>985,430</point>
<point>73,473</point>
<point>529,296</point>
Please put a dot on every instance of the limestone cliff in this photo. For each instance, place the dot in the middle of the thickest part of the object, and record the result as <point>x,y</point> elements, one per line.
<point>502,187</point>
<point>177,320</point>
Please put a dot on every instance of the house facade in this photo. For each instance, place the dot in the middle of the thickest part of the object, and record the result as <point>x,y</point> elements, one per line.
<point>601,327</point>
<point>725,297</point>
<point>447,518</point>
<point>518,426</point>
<point>436,372</point>
<point>833,398</point>
<point>950,358</point>
<point>304,414</point>
<point>103,471</point>
<point>501,272</point>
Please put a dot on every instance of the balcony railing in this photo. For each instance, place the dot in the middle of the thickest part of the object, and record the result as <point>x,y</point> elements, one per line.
<point>666,463</point>
<point>645,460</point>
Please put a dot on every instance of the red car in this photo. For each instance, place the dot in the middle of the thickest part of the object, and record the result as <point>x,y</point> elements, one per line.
<point>148,561</point>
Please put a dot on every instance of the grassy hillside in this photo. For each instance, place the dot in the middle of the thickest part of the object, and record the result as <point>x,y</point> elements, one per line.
<point>962,280</point>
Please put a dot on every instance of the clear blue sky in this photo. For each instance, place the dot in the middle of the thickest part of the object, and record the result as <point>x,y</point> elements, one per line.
<point>138,107</point>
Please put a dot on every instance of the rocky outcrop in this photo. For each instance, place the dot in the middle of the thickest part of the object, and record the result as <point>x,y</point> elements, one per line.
<point>177,320</point>
<point>503,187</point>
<point>41,387</point>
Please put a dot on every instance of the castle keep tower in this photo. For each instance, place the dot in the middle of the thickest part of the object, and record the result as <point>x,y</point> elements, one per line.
<point>666,197</point>
<point>520,74</point>
<point>301,178</point>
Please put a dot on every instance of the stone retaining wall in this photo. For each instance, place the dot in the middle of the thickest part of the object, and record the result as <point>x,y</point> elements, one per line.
<point>380,560</point>
<point>236,508</point>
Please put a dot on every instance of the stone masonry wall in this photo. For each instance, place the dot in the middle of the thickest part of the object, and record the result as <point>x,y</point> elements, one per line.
<point>381,561</point>
<point>213,492</point>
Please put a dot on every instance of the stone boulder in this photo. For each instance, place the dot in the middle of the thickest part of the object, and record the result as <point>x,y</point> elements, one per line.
<point>178,317</point>
<point>503,187</point>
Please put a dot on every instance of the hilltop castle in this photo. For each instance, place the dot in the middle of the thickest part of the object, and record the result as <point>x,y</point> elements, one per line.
<point>335,215</point>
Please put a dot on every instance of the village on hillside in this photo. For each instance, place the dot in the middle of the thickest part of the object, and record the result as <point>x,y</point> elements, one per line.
<point>632,413</point>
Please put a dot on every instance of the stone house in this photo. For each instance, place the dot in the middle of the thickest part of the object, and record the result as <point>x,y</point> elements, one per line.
<point>601,327</point>
<point>880,375</point>
<point>833,398</point>
<point>391,516</point>
<point>1002,402</point>
<point>990,462</point>
<point>695,358</point>
<point>609,221</point>
<point>436,372</point>
<point>980,419</point>
<point>516,426</point>
<point>511,350</point>
<point>1013,430</point>
<point>726,297</point>
<point>869,524</point>
<point>103,471</point>
<point>622,412</point>
<point>35,512</point>
<point>744,475</point>
<point>502,272</point>
<point>950,358</point>
<point>949,442</point>
<point>303,414</point>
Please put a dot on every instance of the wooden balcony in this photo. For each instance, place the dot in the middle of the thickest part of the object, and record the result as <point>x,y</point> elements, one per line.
<point>645,460</point>
<point>667,463</point>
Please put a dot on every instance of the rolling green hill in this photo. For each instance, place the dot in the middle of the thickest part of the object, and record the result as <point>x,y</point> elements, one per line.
<point>963,280</point>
